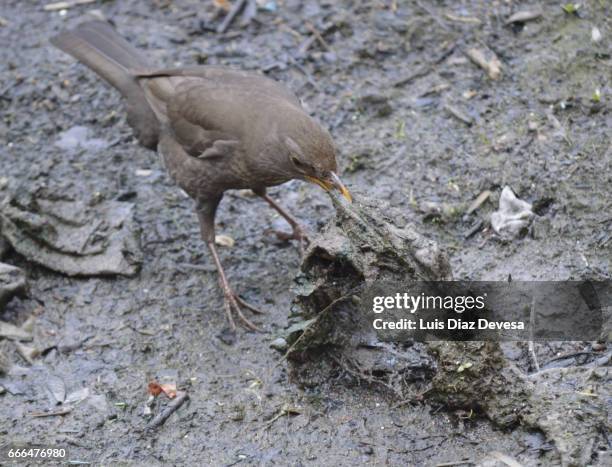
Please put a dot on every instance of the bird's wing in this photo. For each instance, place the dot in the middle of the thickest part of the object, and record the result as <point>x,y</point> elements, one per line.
<point>221,148</point>
<point>213,119</point>
<point>201,140</point>
<point>224,76</point>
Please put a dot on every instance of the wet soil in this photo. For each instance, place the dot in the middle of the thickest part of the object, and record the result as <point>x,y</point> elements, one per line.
<point>417,124</point>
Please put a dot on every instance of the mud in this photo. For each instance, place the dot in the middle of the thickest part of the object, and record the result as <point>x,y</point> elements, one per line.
<point>540,129</point>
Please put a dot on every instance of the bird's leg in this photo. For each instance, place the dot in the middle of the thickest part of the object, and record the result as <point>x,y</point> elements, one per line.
<point>298,233</point>
<point>232,302</point>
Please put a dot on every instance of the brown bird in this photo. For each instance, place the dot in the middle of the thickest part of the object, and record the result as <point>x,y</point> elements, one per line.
<point>216,129</point>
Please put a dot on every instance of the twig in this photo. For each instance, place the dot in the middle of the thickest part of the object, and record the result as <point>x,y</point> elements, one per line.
<point>436,89</point>
<point>434,15</point>
<point>229,18</point>
<point>425,70</point>
<point>360,376</point>
<point>459,462</point>
<point>65,5</point>
<point>63,411</point>
<point>308,76</point>
<point>459,115</point>
<point>416,398</point>
<point>531,330</point>
<point>428,67</point>
<point>462,19</point>
<point>481,198</point>
<point>318,36</point>
<point>474,229</point>
<point>306,44</point>
<point>285,410</point>
<point>567,356</point>
<point>446,52</point>
<point>161,417</point>
<point>185,15</point>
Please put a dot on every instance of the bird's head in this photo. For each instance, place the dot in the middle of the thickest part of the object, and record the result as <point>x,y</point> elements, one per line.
<point>313,159</point>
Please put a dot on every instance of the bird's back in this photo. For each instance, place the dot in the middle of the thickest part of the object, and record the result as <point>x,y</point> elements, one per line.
<point>196,93</point>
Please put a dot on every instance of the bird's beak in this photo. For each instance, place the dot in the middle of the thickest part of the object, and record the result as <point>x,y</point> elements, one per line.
<point>332,182</point>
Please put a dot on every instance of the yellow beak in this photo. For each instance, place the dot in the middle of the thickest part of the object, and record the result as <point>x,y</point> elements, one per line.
<point>334,182</point>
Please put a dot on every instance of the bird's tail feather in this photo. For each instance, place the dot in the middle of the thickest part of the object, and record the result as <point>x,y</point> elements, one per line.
<point>97,45</point>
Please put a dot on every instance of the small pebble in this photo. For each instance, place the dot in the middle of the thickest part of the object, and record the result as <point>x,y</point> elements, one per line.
<point>279,344</point>
<point>595,34</point>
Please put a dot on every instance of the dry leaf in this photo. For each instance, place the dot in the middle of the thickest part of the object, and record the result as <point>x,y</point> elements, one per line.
<point>154,389</point>
<point>486,60</point>
<point>224,240</point>
<point>524,16</point>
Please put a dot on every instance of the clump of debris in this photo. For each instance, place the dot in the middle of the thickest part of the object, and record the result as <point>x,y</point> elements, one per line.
<point>359,248</point>
<point>368,243</point>
<point>71,236</point>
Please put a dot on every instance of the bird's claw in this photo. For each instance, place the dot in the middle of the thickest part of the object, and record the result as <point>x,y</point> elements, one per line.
<point>297,234</point>
<point>233,304</point>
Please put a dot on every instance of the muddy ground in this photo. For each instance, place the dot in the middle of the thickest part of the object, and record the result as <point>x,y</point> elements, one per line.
<point>390,80</point>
